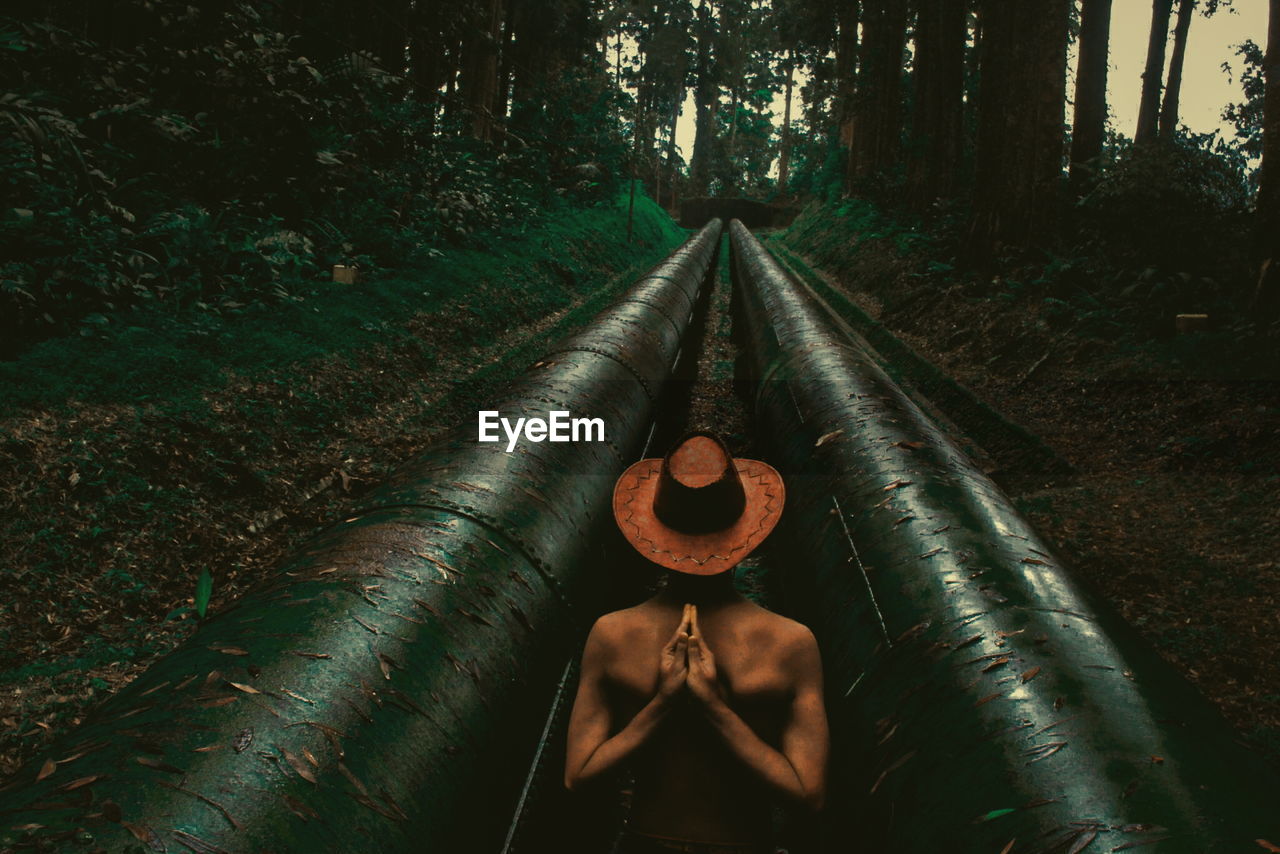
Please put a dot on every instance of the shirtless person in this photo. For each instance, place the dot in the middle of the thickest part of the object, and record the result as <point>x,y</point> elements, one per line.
<point>715,702</point>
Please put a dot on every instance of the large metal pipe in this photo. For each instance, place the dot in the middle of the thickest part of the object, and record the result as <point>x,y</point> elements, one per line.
<point>375,695</point>
<point>980,699</point>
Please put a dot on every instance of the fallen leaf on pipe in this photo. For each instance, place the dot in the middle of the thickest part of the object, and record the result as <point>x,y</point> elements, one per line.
<point>826,437</point>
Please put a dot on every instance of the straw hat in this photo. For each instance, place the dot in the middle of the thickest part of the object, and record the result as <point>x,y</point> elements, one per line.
<point>698,510</point>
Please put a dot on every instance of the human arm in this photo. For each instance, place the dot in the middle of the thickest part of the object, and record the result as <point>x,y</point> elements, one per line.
<point>796,769</point>
<point>592,752</point>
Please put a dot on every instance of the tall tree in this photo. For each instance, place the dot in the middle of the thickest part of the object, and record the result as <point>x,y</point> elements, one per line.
<point>1020,129</point>
<point>731,62</point>
<point>678,86</point>
<point>1173,89</point>
<point>506,61</point>
<point>939,99</point>
<point>663,41</point>
<point>424,65</point>
<point>481,80</point>
<point>676,58</point>
<point>973,62</point>
<point>1089,127</point>
<point>393,19</point>
<point>739,52</point>
<point>846,66</point>
<point>705,94</point>
<point>784,144</point>
<point>433,31</point>
<point>1267,296</point>
<point>1149,107</point>
<point>556,77</point>
<point>877,123</point>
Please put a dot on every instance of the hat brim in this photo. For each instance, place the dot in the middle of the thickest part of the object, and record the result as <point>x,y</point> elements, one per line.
<point>697,554</point>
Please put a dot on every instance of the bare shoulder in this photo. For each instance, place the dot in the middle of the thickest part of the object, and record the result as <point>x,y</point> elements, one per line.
<point>784,634</point>
<point>783,628</point>
<point>616,628</point>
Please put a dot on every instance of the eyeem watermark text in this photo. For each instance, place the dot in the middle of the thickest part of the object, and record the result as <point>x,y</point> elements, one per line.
<point>558,426</point>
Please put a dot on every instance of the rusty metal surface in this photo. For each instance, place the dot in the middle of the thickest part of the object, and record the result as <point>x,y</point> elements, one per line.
<point>980,699</point>
<point>376,694</point>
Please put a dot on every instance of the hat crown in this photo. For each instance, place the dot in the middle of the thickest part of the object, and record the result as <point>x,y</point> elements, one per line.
<point>699,489</point>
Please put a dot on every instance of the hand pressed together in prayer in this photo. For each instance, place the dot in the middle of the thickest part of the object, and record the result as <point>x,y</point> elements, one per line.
<point>687,662</point>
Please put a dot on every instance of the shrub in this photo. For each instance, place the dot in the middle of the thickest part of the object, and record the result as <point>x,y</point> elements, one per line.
<point>1174,202</point>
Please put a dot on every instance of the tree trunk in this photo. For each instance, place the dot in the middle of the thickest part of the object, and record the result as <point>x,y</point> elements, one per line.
<point>394,36</point>
<point>425,48</point>
<point>1267,296</point>
<point>672,171</point>
<point>1020,130</point>
<point>973,62</point>
<point>1169,112</point>
<point>846,67</point>
<point>522,57</point>
<point>453,69</point>
<point>657,181</point>
<point>1089,128</point>
<point>482,64</point>
<point>878,104</point>
<point>939,100</point>
<point>784,152</point>
<point>733,120</point>
<point>541,50</point>
<point>705,94</point>
<point>617,63</point>
<point>507,60</point>
<point>1149,108</point>
<point>646,122</point>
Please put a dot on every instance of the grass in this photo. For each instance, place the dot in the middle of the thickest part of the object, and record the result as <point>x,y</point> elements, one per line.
<point>149,355</point>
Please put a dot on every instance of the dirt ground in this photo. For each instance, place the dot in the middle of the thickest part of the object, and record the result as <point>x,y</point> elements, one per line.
<point>1172,512</point>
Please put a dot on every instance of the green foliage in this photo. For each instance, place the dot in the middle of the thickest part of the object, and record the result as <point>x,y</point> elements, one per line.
<point>743,166</point>
<point>204,590</point>
<point>862,220</point>
<point>197,159</point>
<point>1246,116</point>
<point>580,142</point>
<point>144,357</point>
<point>818,166</point>
<point>1175,202</point>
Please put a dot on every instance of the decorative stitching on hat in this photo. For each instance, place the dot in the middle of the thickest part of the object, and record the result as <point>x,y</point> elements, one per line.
<point>759,477</point>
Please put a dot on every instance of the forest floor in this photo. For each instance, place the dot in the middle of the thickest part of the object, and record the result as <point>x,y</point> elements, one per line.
<point>132,462</point>
<point>1172,510</point>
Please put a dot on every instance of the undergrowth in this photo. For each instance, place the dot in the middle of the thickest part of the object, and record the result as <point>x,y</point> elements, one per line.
<point>148,354</point>
<point>1125,299</point>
